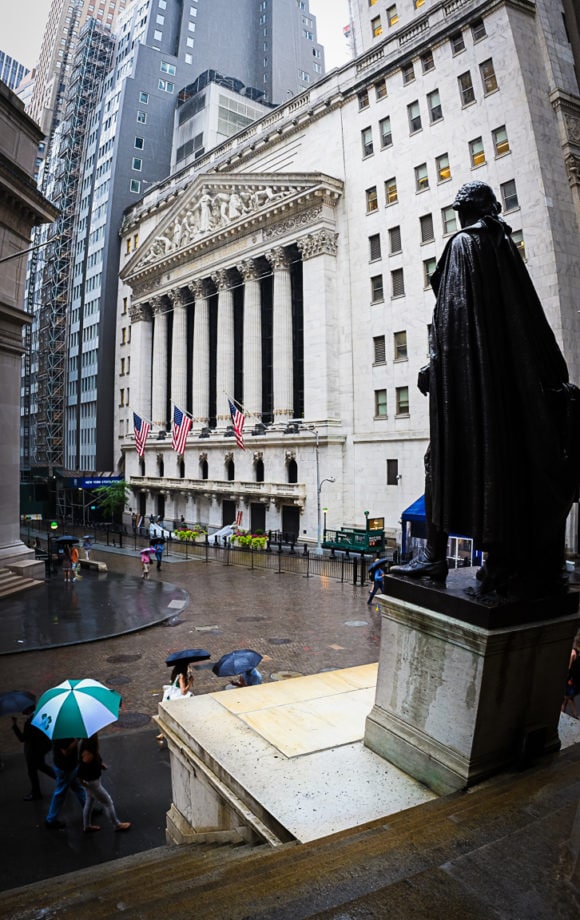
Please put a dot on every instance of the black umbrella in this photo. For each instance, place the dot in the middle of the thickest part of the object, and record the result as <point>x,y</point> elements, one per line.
<point>236,662</point>
<point>66,539</point>
<point>15,701</point>
<point>187,655</point>
<point>378,564</point>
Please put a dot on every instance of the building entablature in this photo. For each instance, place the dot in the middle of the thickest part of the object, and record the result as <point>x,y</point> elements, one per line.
<point>265,492</point>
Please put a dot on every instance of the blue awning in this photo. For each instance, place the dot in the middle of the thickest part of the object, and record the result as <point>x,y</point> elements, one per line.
<point>416,511</point>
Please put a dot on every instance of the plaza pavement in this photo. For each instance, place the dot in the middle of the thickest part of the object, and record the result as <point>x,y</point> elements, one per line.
<point>300,626</point>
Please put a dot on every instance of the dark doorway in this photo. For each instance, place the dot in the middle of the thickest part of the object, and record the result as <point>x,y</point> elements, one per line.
<point>228,512</point>
<point>257,517</point>
<point>291,521</point>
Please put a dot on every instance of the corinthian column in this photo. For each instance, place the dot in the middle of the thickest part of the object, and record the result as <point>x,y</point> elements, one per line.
<point>282,335</point>
<point>159,388</point>
<point>225,345</point>
<point>252,346</point>
<point>200,375</point>
<point>141,342</point>
<point>179,298</point>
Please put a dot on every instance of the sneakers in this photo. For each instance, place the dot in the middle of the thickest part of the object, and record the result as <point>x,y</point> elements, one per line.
<point>55,825</point>
<point>90,828</point>
<point>123,826</point>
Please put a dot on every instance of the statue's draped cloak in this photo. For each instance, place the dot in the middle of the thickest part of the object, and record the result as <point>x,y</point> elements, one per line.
<point>498,455</point>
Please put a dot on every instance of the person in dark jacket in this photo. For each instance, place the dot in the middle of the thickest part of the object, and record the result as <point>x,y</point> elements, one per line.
<point>66,764</point>
<point>502,463</point>
<point>90,770</point>
<point>36,747</point>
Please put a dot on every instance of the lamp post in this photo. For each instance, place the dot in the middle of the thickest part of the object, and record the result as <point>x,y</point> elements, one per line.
<point>324,512</point>
<point>320,483</point>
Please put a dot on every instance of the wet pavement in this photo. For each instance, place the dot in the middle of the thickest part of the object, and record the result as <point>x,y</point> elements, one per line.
<point>300,626</point>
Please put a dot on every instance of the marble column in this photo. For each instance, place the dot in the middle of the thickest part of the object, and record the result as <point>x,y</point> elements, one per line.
<point>252,347</point>
<point>200,376</point>
<point>179,298</point>
<point>160,343</point>
<point>282,335</point>
<point>225,346</point>
<point>141,369</point>
<point>321,364</point>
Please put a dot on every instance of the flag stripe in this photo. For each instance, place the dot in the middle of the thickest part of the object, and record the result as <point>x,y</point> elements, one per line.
<point>141,429</point>
<point>238,421</point>
<point>180,430</point>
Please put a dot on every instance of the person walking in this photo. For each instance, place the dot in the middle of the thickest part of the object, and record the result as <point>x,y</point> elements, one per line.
<point>65,760</point>
<point>87,547</point>
<point>159,555</point>
<point>249,678</point>
<point>145,562</point>
<point>573,681</point>
<point>181,684</point>
<point>36,747</point>
<point>74,561</point>
<point>67,564</point>
<point>377,576</point>
<point>90,770</point>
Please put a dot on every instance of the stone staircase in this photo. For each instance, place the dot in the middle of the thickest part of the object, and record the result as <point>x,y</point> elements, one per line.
<point>14,582</point>
<point>508,848</point>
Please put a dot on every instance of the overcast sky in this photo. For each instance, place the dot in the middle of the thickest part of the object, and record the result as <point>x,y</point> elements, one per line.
<point>23,24</point>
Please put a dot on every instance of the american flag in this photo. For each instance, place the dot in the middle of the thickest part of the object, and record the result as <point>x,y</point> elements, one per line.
<point>238,421</point>
<point>141,429</point>
<point>180,430</point>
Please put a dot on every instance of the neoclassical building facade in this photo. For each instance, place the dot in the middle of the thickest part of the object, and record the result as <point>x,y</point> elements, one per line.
<point>288,269</point>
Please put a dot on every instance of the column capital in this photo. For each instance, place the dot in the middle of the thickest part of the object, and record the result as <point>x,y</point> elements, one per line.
<point>157,305</point>
<point>200,288</point>
<point>321,242</point>
<point>179,297</point>
<point>140,312</point>
<point>278,258</point>
<point>248,269</point>
<point>222,279</point>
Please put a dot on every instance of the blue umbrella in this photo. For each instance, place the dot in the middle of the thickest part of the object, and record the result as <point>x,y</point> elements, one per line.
<point>236,662</point>
<point>15,701</point>
<point>186,655</point>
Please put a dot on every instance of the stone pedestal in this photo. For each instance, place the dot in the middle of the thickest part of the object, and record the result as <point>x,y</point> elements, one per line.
<point>458,701</point>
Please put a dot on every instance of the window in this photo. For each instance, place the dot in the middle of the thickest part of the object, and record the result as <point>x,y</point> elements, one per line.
<point>166,86</point>
<point>478,30</point>
<point>377,293</point>
<point>380,403</point>
<point>476,152</point>
<point>434,104</point>
<point>393,473</point>
<point>449,218</point>
<point>392,15</point>
<point>367,141</point>
<point>385,129</point>
<point>391,194</point>
<point>166,67</point>
<point>380,355</point>
<point>443,168</point>
<point>421,178</point>
<point>426,224</point>
<point>372,199</point>
<point>395,240</point>
<point>518,238</point>
<point>488,77</point>
<point>402,401</point>
<point>190,42</point>
<point>400,346</point>
<point>376,27</point>
<point>374,247</point>
<point>500,141</point>
<point>372,2</point>
<point>138,143</point>
<point>157,35</point>
<point>128,249</point>
<point>191,26</point>
<point>427,62</point>
<point>457,43</point>
<point>397,283</point>
<point>509,195</point>
<point>408,73</point>
<point>160,19</point>
<point>142,118</point>
<point>466,88</point>
<point>144,98</point>
<point>414,114</point>
<point>137,163</point>
<point>418,3</point>
<point>381,89</point>
<point>363,99</point>
<point>429,266</point>
<point>134,185</point>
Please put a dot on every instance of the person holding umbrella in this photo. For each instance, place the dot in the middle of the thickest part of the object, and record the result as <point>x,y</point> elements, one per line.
<point>181,682</point>
<point>36,747</point>
<point>90,769</point>
<point>65,760</point>
<point>242,663</point>
<point>146,560</point>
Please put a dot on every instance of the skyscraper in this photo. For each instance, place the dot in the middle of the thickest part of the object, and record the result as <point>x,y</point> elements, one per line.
<point>11,72</point>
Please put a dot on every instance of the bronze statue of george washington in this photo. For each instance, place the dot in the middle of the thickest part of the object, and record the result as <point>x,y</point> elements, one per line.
<point>502,464</point>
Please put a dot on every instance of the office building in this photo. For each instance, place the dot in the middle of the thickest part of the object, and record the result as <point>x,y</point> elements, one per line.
<point>11,72</point>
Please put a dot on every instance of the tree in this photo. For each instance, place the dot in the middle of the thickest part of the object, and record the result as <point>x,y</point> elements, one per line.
<point>112,498</point>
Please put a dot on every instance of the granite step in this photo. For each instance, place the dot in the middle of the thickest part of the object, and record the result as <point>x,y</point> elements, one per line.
<point>420,862</point>
<point>12,584</point>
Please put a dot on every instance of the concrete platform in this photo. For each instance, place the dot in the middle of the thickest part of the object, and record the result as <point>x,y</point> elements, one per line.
<point>290,753</point>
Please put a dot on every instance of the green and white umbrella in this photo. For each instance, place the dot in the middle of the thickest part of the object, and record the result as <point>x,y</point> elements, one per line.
<point>76,709</point>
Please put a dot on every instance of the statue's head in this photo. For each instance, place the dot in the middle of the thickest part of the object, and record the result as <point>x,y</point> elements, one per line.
<point>476,199</point>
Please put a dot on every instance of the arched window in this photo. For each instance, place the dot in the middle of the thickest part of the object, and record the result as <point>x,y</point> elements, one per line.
<point>141,466</point>
<point>231,470</point>
<point>182,469</point>
<point>160,466</point>
<point>259,471</point>
<point>292,471</point>
<point>203,467</point>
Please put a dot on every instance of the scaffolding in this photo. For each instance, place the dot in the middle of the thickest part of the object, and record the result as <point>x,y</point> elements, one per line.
<point>64,164</point>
